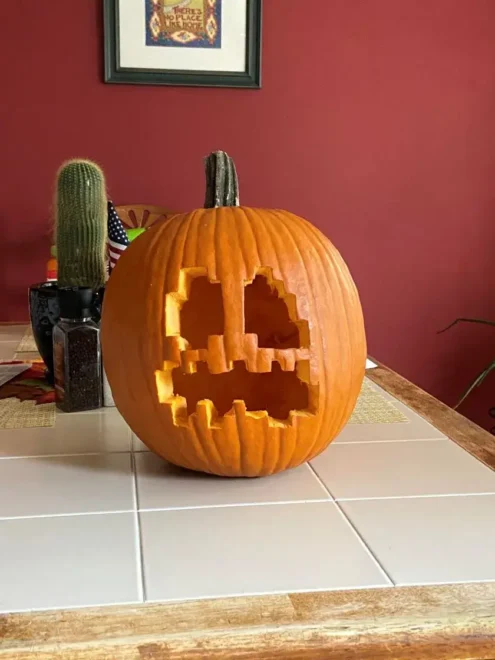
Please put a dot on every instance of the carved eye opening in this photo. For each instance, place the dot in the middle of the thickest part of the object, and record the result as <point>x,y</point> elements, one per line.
<point>265,314</point>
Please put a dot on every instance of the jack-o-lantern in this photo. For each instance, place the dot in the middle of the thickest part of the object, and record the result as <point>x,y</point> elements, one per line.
<point>233,337</point>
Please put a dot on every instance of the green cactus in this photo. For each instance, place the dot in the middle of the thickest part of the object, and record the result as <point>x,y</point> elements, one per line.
<point>81,224</point>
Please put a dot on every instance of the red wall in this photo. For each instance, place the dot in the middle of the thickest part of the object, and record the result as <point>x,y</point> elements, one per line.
<point>376,121</point>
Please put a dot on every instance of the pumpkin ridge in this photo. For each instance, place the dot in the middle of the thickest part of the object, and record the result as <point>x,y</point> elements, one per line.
<point>239,425</point>
<point>191,244</point>
<point>198,424</point>
<point>332,288</point>
<point>205,249</point>
<point>238,409</point>
<point>280,219</point>
<point>352,296</point>
<point>339,273</point>
<point>142,346</point>
<point>239,228</point>
<point>197,258</point>
<point>250,221</point>
<point>338,417</point>
<point>257,256</point>
<point>203,436</point>
<point>256,224</point>
<point>336,293</point>
<point>226,264</point>
<point>252,273</point>
<point>119,278</point>
<point>287,436</point>
<point>259,227</point>
<point>277,221</point>
<point>289,433</point>
<point>295,230</point>
<point>216,242</point>
<point>170,280</point>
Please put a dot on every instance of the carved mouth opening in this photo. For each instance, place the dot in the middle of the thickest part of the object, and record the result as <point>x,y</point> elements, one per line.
<point>277,392</point>
<point>270,373</point>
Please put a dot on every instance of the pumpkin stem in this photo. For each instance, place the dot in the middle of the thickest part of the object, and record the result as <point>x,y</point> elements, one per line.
<point>222,186</point>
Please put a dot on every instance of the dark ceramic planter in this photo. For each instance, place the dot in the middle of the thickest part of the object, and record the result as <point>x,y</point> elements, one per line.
<point>44,312</point>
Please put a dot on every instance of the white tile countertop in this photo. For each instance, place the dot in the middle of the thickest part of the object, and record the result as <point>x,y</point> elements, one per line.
<point>89,517</point>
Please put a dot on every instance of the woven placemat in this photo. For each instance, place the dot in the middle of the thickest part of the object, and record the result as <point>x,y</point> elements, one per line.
<point>26,350</point>
<point>15,414</point>
<point>27,356</point>
<point>27,400</point>
<point>27,343</point>
<point>373,408</point>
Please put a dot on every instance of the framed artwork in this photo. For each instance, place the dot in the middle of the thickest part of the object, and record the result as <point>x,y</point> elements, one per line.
<point>210,43</point>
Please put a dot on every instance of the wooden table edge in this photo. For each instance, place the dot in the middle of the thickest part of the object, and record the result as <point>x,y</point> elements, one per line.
<point>463,431</point>
<point>441,622</point>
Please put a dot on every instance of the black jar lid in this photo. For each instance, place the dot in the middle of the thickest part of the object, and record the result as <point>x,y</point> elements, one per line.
<point>75,302</point>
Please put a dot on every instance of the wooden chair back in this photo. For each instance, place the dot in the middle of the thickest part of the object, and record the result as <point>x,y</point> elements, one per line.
<point>142,215</point>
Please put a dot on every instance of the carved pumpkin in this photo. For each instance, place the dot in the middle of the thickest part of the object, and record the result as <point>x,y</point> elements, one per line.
<point>233,337</point>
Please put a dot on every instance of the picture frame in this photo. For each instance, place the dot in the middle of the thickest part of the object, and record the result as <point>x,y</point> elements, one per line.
<point>201,43</point>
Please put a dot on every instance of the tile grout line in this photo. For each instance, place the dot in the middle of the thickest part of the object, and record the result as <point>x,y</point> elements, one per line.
<point>138,538</point>
<point>430,496</point>
<point>64,455</point>
<point>365,545</point>
<point>72,514</point>
<point>145,451</point>
<point>319,500</point>
<point>351,525</point>
<point>346,443</point>
<point>234,505</point>
<point>166,508</point>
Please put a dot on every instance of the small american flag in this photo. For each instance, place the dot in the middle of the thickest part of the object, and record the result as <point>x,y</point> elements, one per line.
<point>117,238</point>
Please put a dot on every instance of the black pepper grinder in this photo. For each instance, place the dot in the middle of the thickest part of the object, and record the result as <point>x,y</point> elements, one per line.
<point>76,352</point>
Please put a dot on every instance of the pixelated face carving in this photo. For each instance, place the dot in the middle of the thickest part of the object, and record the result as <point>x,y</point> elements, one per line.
<point>217,364</point>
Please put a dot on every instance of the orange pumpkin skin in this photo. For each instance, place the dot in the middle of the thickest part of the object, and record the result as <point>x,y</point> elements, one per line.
<point>147,359</point>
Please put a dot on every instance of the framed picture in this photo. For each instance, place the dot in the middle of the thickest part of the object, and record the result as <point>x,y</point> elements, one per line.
<point>210,43</point>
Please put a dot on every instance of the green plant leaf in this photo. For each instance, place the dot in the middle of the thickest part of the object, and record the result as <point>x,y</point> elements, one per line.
<point>463,320</point>
<point>476,383</point>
